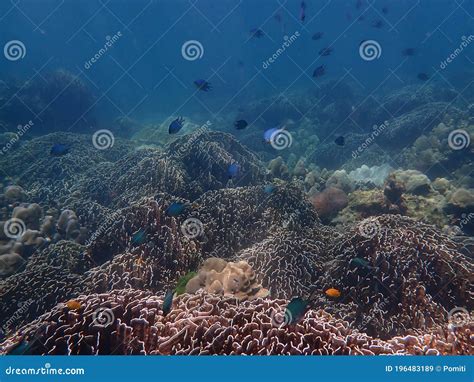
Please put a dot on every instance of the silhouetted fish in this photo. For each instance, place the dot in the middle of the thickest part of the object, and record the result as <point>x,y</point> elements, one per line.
<point>358,4</point>
<point>302,11</point>
<point>269,188</point>
<point>267,135</point>
<point>385,10</point>
<point>326,51</point>
<point>138,237</point>
<point>240,124</point>
<point>167,302</point>
<point>176,125</point>
<point>340,141</point>
<point>377,24</point>
<point>423,77</point>
<point>317,35</point>
<point>319,71</point>
<point>59,150</point>
<point>408,52</point>
<point>203,85</point>
<point>257,33</point>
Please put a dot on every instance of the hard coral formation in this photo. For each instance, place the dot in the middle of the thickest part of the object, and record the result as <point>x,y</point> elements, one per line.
<point>131,322</point>
<point>218,276</point>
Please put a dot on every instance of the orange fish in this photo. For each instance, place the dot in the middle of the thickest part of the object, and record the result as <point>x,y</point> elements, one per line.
<point>333,293</point>
<point>73,305</point>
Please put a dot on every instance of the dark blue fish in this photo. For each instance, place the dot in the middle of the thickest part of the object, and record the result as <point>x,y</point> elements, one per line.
<point>257,33</point>
<point>59,149</point>
<point>168,302</point>
<point>317,35</point>
<point>408,52</point>
<point>240,124</point>
<point>385,10</point>
<point>377,24</point>
<point>358,4</point>
<point>176,125</point>
<point>233,170</point>
<point>139,237</point>
<point>326,51</point>
<point>360,262</point>
<point>203,85</point>
<point>175,209</point>
<point>340,141</point>
<point>423,77</point>
<point>302,11</point>
<point>319,71</point>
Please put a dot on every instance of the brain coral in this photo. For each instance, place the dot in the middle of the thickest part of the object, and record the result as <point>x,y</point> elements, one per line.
<point>131,322</point>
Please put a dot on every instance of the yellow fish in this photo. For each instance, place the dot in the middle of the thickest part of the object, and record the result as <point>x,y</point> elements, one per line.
<point>73,305</point>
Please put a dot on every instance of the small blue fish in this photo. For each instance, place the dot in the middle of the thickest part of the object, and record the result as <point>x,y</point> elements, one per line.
<point>175,209</point>
<point>59,149</point>
<point>257,33</point>
<point>139,237</point>
<point>233,170</point>
<point>176,125</point>
<point>23,348</point>
<point>267,135</point>
<point>269,188</point>
<point>168,302</point>
<point>203,85</point>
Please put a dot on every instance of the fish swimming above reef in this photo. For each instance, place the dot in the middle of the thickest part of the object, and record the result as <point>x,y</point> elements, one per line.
<point>73,305</point>
<point>175,209</point>
<point>59,149</point>
<point>340,141</point>
<point>319,71</point>
<point>168,302</point>
<point>269,134</point>
<point>203,85</point>
<point>240,124</point>
<point>138,237</point>
<point>332,293</point>
<point>176,125</point>
<point>233,170</point>
<point>256,33</point>
<point>408,52</point>
<point>326,51</point>
<point>423,76</point>
<point>378,24</point>
<point>302,11</point>
<point>297,308</point>
<point>317,35</point>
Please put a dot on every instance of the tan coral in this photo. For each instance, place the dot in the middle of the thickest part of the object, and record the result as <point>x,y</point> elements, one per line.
<point>218,276</point>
